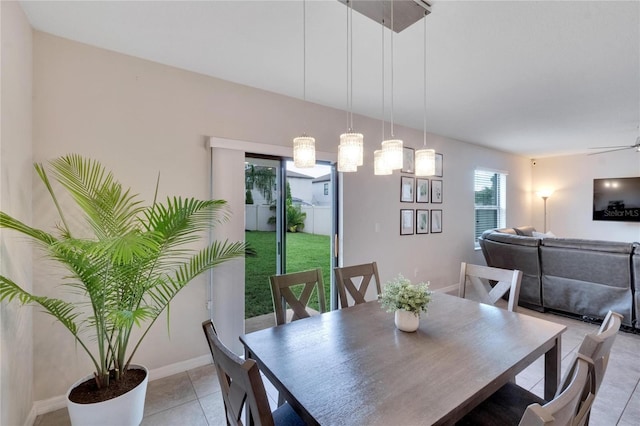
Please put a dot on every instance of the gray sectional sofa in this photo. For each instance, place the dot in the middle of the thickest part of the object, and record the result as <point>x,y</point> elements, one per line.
<point>582,277</point>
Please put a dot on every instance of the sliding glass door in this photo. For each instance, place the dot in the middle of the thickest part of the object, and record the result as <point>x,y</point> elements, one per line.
<point>290,221</point>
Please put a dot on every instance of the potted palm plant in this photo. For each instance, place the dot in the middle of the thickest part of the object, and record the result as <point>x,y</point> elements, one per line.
<point>127,263</point>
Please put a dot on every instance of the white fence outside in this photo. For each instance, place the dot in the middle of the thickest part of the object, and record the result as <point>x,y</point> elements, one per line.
<point>318,220</point>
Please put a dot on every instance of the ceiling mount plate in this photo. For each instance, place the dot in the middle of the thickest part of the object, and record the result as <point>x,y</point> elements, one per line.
<point>405,12</point>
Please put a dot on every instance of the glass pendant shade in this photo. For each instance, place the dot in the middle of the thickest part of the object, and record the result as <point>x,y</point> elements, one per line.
<point>380,167</point>
<point>425,162</point>
<point>392,152</point>
<point>304,151</point>
<point>347,160</point>
<point>354,146</point>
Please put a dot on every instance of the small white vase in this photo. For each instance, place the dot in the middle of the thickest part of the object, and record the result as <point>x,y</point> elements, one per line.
<point>406,321</point>
<point>124,410</point>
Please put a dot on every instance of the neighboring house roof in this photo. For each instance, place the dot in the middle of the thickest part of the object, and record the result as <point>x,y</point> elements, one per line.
<point>292,174</point>
<point>323,178</point>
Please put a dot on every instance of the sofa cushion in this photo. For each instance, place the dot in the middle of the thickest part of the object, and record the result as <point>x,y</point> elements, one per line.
<point>526,231</point>
<point>505,231</point>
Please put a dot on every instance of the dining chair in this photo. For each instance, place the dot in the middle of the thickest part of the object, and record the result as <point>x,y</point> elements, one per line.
<point>512,399</point>
<point>569,407</point>
<point>598,346</point>
<point>479,277</point>
<point>355,280</point>
<point>281,291</point>
<point>242,388</point>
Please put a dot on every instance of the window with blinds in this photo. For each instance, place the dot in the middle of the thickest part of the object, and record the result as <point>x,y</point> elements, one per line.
<point>490,201</point>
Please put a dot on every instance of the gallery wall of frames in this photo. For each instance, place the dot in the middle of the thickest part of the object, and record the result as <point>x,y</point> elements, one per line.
<point>424,215</point>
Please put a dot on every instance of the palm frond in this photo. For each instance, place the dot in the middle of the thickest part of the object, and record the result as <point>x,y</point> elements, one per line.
<point>9,222</point>
<point>178,220</point>
<point>108,209</point>
<point>165,290</point>
<point>61,310</point>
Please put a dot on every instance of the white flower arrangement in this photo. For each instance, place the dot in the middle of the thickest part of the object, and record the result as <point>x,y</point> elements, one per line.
<point>399,293</point>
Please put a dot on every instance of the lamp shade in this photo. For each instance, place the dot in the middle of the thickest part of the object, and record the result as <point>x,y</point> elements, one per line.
<point>354,143</point>
<point>425,162</point>
<point>545,193</point>
<point>304,151</point>
<point>392,152</point>
<point>347,160</point>
<point>380,167</point>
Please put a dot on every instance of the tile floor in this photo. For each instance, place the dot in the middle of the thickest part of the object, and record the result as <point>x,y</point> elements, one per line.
<point>193,398</point>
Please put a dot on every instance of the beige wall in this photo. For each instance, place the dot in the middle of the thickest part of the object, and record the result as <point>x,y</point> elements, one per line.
<point>140,117</point>
<point>16,343</point>
<point>569,209</point>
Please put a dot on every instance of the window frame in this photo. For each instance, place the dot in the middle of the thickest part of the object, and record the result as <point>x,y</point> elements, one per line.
<point>501,203</point>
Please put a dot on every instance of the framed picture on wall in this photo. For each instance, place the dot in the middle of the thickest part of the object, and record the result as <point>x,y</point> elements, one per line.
<point>436,191</point>
<point>436,221</point>
<point>406,189</point>
<point>406,221</point>
<point>408,160</point>
<point>422,190</point>
<point>439,165</point>
<point>422,221</point>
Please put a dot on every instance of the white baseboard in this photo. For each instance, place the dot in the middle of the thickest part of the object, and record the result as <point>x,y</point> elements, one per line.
<point>179,367</point>
<point>47,405</point>
<point>57,402</point>
<point>450,289</point>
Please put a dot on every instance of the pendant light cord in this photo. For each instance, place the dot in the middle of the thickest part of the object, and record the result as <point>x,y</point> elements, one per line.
<point>383,75</point>
<point>304,50</point>
<point>304,57</point>
<point>392,133</point>
<point>347,63</point>
<point>351,65</point>
<point>425,80</point>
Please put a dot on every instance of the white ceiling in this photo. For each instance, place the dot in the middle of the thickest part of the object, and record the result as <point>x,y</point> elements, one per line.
<point>535,78</point>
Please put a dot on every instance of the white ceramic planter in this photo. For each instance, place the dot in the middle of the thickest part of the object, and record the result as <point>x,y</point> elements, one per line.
<point>125,410</point>
<point>406,321</point>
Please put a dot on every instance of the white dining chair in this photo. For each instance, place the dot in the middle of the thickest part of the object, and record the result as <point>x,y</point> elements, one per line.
<point>479,279</point>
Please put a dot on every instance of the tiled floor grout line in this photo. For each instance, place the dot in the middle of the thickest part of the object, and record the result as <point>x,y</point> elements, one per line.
<point>636,388</point>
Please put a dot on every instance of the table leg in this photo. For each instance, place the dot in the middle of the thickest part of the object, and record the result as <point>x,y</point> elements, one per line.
<point>552,361</point>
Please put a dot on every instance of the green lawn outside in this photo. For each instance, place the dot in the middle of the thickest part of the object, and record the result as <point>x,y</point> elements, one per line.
<point>304,251</point>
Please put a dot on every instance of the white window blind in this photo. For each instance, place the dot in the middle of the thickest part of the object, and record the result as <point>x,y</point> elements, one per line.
<point>490,201</point>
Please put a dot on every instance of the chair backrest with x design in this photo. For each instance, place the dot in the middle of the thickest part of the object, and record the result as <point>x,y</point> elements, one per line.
<point>507,280</point>
<point>240,383</point>
<point>283,295</point>
<point>355,281</point>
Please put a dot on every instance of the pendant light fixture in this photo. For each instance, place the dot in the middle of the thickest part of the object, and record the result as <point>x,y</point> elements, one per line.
<point>392,148</point>
<point>425,158</point>
<point>351,148</point>
<point>304,147</point>
<point>380,167</point>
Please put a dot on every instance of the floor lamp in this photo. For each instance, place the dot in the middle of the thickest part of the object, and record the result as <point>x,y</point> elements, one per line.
<point>544,195</point>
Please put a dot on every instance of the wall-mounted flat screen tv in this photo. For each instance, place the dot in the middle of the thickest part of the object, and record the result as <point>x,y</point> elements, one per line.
<point>617,199</point>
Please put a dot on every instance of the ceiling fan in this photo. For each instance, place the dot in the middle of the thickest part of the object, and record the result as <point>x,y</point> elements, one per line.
<point>635,146</point>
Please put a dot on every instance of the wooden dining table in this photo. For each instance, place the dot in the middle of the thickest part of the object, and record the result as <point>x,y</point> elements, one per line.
<point>353,367</point>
